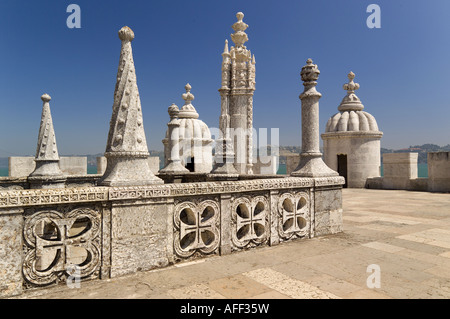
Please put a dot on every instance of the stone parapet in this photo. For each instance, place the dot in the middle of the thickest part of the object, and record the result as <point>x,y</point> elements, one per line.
<point>439,171</point>
<point>20,166</point>
<point>112,231</point>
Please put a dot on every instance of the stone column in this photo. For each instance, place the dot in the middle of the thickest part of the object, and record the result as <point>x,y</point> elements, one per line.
<point>311,163</point>
<point>174,162</point>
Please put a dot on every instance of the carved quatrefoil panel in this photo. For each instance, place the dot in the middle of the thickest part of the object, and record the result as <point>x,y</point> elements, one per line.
<point>56,243</point>
<point>196,228</point>
<point>250,220</point>
<point>294,218</point>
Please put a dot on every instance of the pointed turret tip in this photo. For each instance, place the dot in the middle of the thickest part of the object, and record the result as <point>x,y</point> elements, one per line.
<point>309,61</point>
<point>126,34</point>
<point>188,87</point>
<point>45,97</point>
<point>239,16</point>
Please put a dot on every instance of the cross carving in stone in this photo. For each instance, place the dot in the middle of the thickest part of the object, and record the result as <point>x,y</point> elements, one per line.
<point>294,215</point>
<point>57,247</point>
<point>252,220</point>
<point>197,228</point>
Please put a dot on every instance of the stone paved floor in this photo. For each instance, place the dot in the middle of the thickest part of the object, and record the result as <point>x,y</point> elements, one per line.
<point>407,234</point>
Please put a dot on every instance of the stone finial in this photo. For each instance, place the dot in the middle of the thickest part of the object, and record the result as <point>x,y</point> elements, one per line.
<point>188,110</point>
<point>239,37</point>
<point>126,34</point>
<point>188,96</point>
<point>351,102</point>
<point>173,111</point>
<point>225,49</point>
<point>351,86</point>
<point>310,73</point>
<point>45,97</point>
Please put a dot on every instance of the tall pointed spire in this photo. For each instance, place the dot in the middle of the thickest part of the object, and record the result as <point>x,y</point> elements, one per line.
<point>126,149</point>
<point>236,94</point>
<point>47,173</point>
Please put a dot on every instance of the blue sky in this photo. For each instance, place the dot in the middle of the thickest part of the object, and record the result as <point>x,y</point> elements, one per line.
<point>403,67</point>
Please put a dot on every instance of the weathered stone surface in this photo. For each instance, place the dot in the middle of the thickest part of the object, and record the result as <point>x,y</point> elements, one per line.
<point>153,163</point>
<point>328,211</point>
<point>138,237</point>
<point>11,224</point>
<point>439,171</point>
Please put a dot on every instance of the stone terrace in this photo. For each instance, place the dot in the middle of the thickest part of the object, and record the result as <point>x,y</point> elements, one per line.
<point>406,233</point>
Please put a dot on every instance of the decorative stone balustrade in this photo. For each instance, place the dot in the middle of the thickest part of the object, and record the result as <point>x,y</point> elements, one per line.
<point>105,232</point>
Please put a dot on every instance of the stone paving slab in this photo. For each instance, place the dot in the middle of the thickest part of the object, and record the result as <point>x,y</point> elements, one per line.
<point>407,234</point>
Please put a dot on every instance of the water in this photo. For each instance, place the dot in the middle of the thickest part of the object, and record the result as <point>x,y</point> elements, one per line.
<point>281,169</point>
<point>4,171</point>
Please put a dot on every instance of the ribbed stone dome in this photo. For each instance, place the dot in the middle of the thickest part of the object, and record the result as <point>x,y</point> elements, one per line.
<point>351,117</point>
<point>351,121</point>
<point>192,129</point>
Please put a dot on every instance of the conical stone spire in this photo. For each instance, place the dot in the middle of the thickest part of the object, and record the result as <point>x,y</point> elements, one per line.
<point>126,149</point>
<point>47,173</point>
<point>46,148</point>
